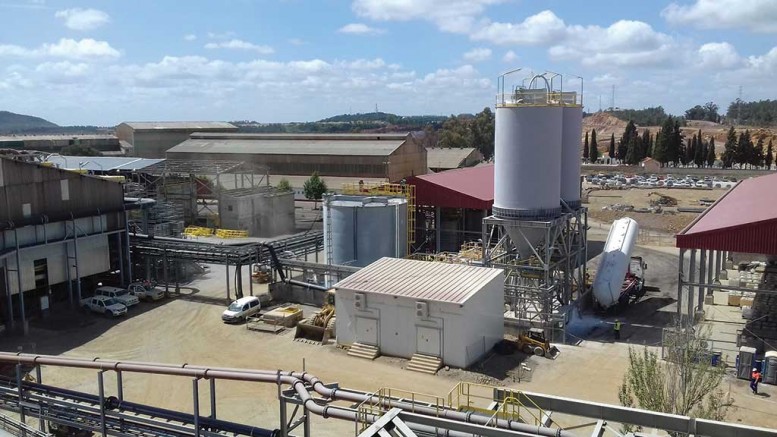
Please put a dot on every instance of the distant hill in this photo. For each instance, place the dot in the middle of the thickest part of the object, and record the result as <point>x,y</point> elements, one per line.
<point>384,117</point>
<point>10,122</point>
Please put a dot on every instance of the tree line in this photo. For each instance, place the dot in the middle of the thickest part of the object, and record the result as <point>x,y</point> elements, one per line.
<point>760,113</point>
<point>670,148</point>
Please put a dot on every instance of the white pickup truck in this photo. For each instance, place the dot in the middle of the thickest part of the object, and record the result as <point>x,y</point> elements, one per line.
<point>145,290</point>
<point>104,305</point>
<point>120,294</point>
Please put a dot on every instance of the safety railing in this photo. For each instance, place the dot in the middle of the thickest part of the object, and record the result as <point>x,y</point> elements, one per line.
<point>379,403</point>
<point>479,398</point>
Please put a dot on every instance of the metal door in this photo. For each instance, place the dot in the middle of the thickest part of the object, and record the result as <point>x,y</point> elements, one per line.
<point>428,341</point>
<point>367,331</point>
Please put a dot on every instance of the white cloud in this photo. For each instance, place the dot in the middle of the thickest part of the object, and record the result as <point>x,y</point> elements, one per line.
<point>510,56</point>
<point>718,55</point>
<point>479,54</point>
<point>456,16</point>
<point>360,29</point>
<point>297,42</point>
<point>624,43</point>
<point>221,35</point>
<point>757,15</point>
<point>83,19</point>
<point>237,44</point>
<point>190,37</point>
<point>86,48</point>
<point>540,29</point>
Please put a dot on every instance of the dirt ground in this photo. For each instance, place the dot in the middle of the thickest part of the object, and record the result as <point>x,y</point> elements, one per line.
<point>669,221</point>
<point>188,329</point>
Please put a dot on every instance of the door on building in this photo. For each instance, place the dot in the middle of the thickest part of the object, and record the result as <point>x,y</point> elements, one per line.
<point>367,331</point>
<point>3,296</point>
<point>428,341</point>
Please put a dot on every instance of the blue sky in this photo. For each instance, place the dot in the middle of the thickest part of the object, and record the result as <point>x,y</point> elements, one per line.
<point>106,61</point>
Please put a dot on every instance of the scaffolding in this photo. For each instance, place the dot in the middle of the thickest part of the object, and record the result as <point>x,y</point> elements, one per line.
<point>389,190</point>
<point>541,282</point>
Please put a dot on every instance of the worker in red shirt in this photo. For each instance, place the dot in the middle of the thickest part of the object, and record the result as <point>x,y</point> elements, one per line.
<point>755,377</point>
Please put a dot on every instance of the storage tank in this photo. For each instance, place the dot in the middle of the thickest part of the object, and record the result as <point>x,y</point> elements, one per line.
<point>527,157</point>
<point>359,230</point>
<point>615,261</point>
<point>570,150</point>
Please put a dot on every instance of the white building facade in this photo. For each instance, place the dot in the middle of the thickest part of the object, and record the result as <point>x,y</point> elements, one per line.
<point>404,307</point>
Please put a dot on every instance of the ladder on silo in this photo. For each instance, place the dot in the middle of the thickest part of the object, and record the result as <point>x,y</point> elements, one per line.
<point>328,233</point>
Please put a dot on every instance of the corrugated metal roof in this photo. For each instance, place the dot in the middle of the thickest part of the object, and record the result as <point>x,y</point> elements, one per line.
<point>743,220</point>
<point>292,145</point>
<point>471,188</point>
<point>422,280</point>
<point>447,158</point>
<point>101,163</point>
<point>172,125</point>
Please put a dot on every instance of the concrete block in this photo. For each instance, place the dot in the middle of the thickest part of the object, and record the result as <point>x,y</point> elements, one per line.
<point>734,298</point>
<point>723,275</point>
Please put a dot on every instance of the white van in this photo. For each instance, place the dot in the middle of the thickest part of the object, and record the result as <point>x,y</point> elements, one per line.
<point>240,309</point>
<point>120,294</point>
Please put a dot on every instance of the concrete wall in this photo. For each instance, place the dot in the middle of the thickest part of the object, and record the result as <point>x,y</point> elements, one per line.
<point>263,215</point>
<point>154,144</point>
<point>466,332</point>
<point>408,160</point>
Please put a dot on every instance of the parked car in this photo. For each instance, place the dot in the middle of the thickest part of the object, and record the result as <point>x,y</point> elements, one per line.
<point>240,309</point>
<point>120,294</point>
<point>145,290</point>
<point>104,305</point>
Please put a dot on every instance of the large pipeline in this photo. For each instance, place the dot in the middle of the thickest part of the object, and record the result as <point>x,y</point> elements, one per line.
<point>296,380</point>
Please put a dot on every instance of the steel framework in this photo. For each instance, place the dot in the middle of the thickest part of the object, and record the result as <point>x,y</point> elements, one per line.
<point>541,282</point>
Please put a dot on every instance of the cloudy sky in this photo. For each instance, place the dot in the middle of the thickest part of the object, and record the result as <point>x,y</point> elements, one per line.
<point>106,61</point>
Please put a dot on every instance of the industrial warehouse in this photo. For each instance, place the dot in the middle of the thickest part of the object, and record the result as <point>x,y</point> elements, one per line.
<point>184,291</point>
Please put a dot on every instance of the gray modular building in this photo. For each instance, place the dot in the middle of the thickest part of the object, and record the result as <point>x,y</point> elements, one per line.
<point>262,211</point>
<point>56,227</point>
<point>152,139</point>
<point>391,156</point>
<point>405,307</point>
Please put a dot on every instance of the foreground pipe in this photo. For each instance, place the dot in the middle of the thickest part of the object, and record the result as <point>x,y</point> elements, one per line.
<point>294,379</point>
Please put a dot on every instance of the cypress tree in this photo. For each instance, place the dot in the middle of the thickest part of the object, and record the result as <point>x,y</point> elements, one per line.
<point>611,154</point>
<point>769,158</point>
<point>585,147</point>
<point>593,153</point>
<point>711,153</point>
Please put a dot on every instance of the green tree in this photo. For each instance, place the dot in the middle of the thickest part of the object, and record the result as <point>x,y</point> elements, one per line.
<point>759,157</point>
<point>593,154</point>
<point>482,135</point>
<point>700,154</point>
<point>629,136</point>
<point>647,144</point>
<point>663,140</point>
<point>314,188</point>
<point>711,153</point>
<point>611,153</point>
<point>676,143</point>
<point>769,158</point>
<point>585,147</point>
<point>79,150</point>
<point>745,151</point>
<point>284,185</point>
<point>686,384</point>
<point>729,156</point>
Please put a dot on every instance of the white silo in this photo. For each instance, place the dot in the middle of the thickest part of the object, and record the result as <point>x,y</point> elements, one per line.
<point>572,130</point>
<point>359,230</point>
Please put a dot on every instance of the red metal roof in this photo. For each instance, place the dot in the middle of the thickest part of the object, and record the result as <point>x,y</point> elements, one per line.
<point>743,220</point>
<point>471,188</point>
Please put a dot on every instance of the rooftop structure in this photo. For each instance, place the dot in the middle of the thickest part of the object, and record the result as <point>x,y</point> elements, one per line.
<point>55,143</point>
<point>471,188</point>
<point>445,158</point>
<point>743,220</point>
<point>437,282</point>
<point>152,139</point>
<point>388,156</point>
<point>100,163</point>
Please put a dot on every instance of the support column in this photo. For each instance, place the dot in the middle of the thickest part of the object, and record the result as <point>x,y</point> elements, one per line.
<point>251,277</point>
<point>718,264</point>
<point>119,386</point>
<point>196,403</point>
<point>121,259</point>
<point>437,230</point>
<point>8,296</point>
<point>710,272</point>
<point>73,304</point>
<point>226,267</point>
<point>702,279</point>
<point>284,428</point>
<point>25,327</point>
<point>680,282</point>
<point>164,273</point>
<point>101,389</point>
<point>212,398</point>
<point>75,256</point>
<point>691,280</point>
<point>20,393</point>
<point>239,280</point>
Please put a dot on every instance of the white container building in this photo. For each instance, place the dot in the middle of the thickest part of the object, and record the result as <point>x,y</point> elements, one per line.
<point>404,307</point>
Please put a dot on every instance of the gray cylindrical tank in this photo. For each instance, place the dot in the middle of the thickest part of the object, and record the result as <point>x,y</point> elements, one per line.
<point>527,161</point>
<point>360,230</point>
<point>570,155</point>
